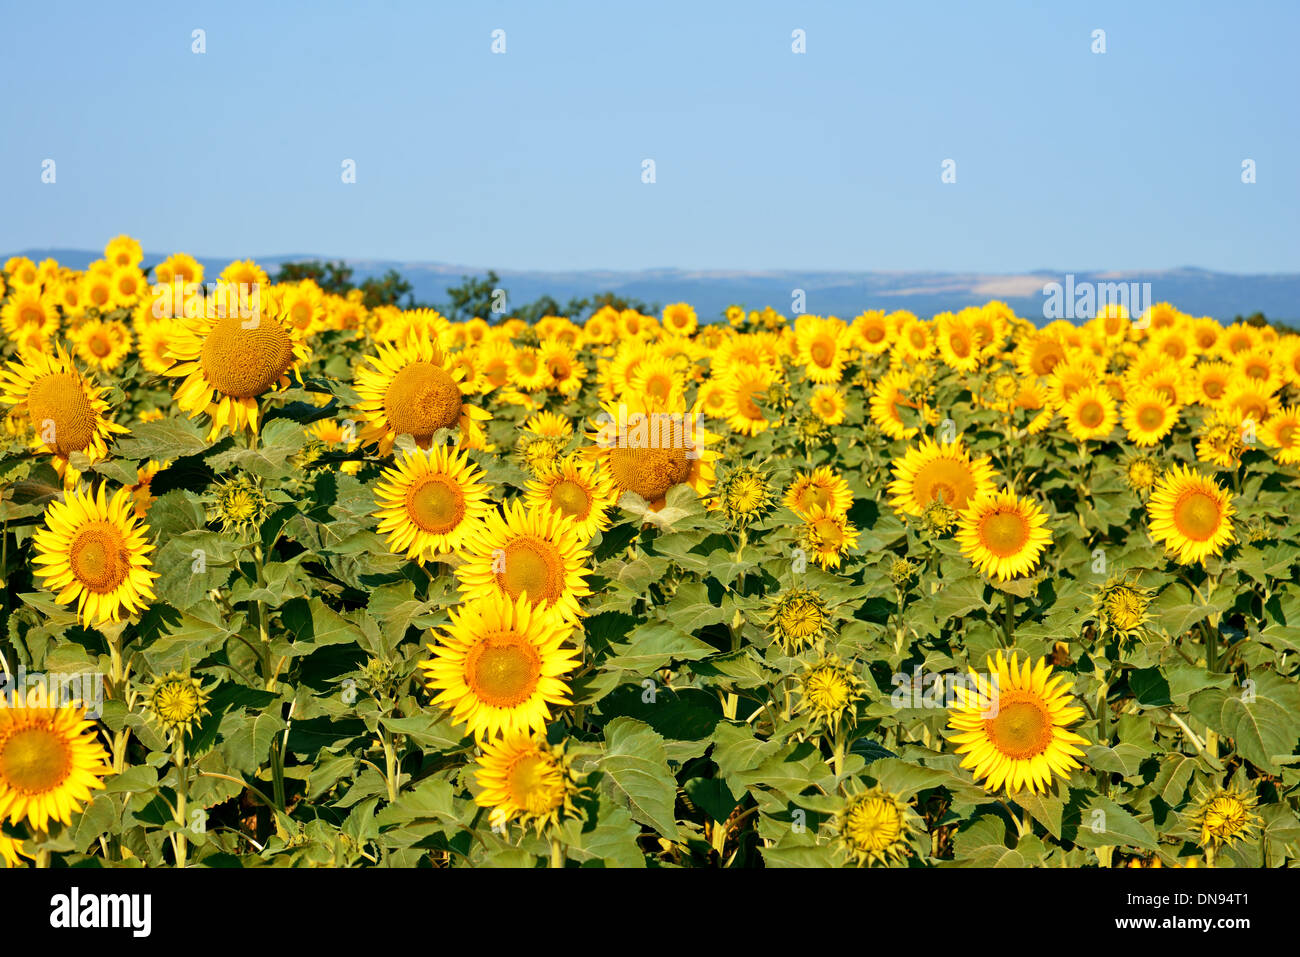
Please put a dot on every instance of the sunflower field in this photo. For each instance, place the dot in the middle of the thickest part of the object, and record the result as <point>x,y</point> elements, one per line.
<point>349,586</point>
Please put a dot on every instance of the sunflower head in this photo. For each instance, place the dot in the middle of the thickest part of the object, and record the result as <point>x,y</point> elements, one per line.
<point>811,427</point>
<point>50,761</point>
<point>176,701</point>
<point>938,519</point>
<point>540,453</point>
<point>743,495</point>
<point>522,778</point>
<point>874,827</point>
<point>798,619</point>
<point>1222,816</point>
<point>239,504</point>
<point>1121,607</point>
<point>1191,515</point>
<point>902,572</point>
<point>830,692</point>
<point>1141,473</point>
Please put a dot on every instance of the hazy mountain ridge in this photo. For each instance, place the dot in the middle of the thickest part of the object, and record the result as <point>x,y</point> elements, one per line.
<point>827,292</point>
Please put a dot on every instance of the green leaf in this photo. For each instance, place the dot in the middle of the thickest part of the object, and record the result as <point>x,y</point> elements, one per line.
<point>637,765</point>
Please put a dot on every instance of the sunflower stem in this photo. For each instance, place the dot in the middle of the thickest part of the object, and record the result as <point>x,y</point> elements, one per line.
<point>390,761</point>
<point>1009,619</point>
<point>557,852</point>
<point>180,841</point>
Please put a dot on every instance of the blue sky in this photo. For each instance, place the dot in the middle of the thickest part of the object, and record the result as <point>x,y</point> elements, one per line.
<point>764,159</point>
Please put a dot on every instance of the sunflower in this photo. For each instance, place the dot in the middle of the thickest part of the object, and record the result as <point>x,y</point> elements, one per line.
<point>934,472</point>
<point>743,495</point>
<point>429,502</point>
<point>123,251</point>
<point>527,371</point>
<point>1010,725</point>
<point>499,666</point>
<point>828,404</point>
<point>93,549</point>
<point>67,411</point>
<point>179,267</point>
<point>228,361</point>
<point>892,394</point>
<point>578,491</point>
<point>799,618</point>
<point>679,319</point>
<point>957,345</point>
<point>1141,473</point>
<point>96,291</point>
<point>1249,400</point>
<point>828,535</point>
<point>1222,816</point>
<point>1003,535</point>
<point>874,827</point>
<point>1282,432</point>
<point>50,761</point>
<point>1121,606</point>
<point>658,378</point>
<point>29,316</point>
<point>871,332</point>
<point>411,389</point>
<point>564,368</point>
<point>238,504</point>
<point>1148,416</point>
<point>1090,413</point>
<point>746,389</point>
<point>127,286</point>
<point>142,491</point>
<point>1220,441</point>
<point>155,345</point>
<point>520,552</point>
<point>521,777</point>
<point>823,488</point>
<point>820,348</point>
<point>647,448</point>
<point>102,344</point>
<point>176,701</point>
<point>830,692</point>
<point>549,425</point>
<point>1191,515</point>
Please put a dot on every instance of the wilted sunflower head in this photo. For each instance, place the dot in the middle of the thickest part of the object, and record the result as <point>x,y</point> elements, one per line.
<point>743,495</point>
<point>239,504</point>
<point>778,394</point>
<point>1122,606</point>
<point>1219,443</point>
<point>799,618</point>
<point>1141,473</point>
<point>1222,816</point>
<point>873,827</point>
<point>938,519</point>
<point>830,692</point>
<point>176,701</point>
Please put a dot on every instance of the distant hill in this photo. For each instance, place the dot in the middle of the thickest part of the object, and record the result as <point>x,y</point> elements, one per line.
<point>1200,292</point>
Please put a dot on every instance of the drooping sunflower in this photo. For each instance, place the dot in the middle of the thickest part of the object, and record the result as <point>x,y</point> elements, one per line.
<point>1011,725</point>
<point>94,550</point>
<point>1219,440</point>
<point>521,777</point>
<point>67,411</point>
<point>429,501</point>
<point>823,488</point>
<point>522,552</point>
<point>1191,515</point>
<point>938,472</point>
<point>50,761</point>
<point>228,361</point>
<point>874,827</point>
<point>499,666</point>
<point>411,389</point>
<point>1003,535</point>
<point>1090,413</point>
<point>574,489</point>
<point>1148,416</point>
<point>828,536</point>
<point>893,394</point>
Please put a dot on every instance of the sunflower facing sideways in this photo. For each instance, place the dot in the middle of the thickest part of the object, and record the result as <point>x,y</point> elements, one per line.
<point>1003,535</point>
<point>1191,515</point>
<point>50,761</point>
<point>429,501</point>
<point>66,410</point>
<point>647,448</point>
<point>577,490</point>
<point>820,488</point>
<point>228,361</point>
<point>1010,725</point>
<point>521,777</point>
<point>522,553</point>
<point>412,389</point>
<point>934,472</point>
<point>499,666</point>
<point>93,549</point>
